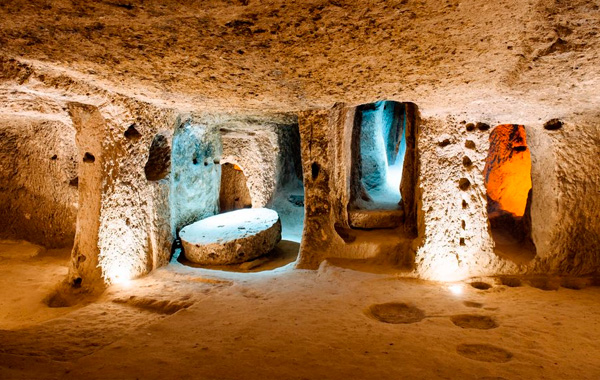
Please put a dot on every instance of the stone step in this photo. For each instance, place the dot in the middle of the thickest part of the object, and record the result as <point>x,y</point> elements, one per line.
<point>375,219</point>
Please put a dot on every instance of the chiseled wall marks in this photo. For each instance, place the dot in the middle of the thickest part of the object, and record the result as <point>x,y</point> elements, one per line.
<point>454,240</point>
<point>452,220</point>
<point>565,207</point>
<point>327,144</point>
<point>255,149</point>
<point>122,222</point>
<point>264,150</point>
<point>566,213</point>
<point>135,220</point>
<point>319,237</point>
<point>195,175</point>
<point>38,181</point>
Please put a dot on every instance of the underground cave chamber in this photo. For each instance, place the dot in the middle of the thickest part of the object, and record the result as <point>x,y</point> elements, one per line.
<point>236,188</point>
<point>131,203</point>
<point>508,187</point>
<point>456,237</point>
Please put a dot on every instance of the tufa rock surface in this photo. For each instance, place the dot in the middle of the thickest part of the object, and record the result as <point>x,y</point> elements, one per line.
<point>233,237</point>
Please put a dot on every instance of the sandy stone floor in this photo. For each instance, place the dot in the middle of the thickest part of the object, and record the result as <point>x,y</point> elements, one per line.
<point>184,322</point>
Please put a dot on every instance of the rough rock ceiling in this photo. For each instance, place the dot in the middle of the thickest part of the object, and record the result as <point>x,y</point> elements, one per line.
<point>290,55</point>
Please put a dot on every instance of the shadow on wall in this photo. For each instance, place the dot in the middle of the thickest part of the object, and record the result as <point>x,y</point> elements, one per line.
<point>508,185</point>
<point>288,199</point>
<point>158,165</point>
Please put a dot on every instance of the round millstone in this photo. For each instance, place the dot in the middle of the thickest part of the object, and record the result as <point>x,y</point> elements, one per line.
<point>232,237</point>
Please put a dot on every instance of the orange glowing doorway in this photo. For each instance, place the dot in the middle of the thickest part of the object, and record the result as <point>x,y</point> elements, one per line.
<point>508,185</point>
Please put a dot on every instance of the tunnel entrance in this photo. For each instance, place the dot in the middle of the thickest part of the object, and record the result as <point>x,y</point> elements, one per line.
<point>234,193</point>
<point>254,206</point>
<point>508,186</point>
<point>377,217</point>
<point>379,146</point>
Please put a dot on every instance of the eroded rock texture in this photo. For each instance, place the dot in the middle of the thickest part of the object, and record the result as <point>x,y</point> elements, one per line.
<point>290,56</point>
<point>454,237</point>
<point>158,165</point>
<point>457,239</point>
<point>196,174</point>
<point>38,181</point>
<point>329,158</point>
<point>234,194</point>
<point>566,211</point>
<point>124,136</point>
<point>232,237</point>
<point>261,149</point>
<point>123,227</point>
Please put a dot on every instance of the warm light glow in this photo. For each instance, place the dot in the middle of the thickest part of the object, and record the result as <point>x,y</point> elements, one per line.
<point>117,242</point>
<point>446,269</point>
<point>508,170</point>
<point>119,275</point>
<point>456,289</point>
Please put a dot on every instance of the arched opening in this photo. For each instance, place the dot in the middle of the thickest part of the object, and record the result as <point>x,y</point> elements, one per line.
<point>234,193</point>
<point>508,187</point>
